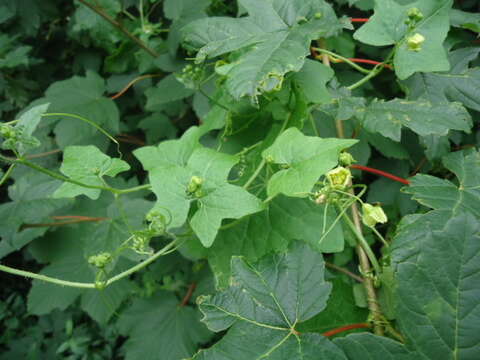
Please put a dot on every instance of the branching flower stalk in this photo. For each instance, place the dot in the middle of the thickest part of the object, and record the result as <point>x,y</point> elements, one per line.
<point>365,266</point>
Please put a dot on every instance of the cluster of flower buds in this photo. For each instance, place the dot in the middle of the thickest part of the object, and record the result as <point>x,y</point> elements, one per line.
<point>101,260</point>
<point>15,138</point>
<point>195,187</point>
<point>191,76</point>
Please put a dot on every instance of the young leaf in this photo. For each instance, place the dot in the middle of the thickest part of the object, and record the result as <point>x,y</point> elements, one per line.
<point>88,165</point>
<point>422,117</point>
<point>216,198</point>
<point>158,327</point>
<point>306,157</point>
<point>290,26</point>
<point>263,305</point>
<point>387,27</point>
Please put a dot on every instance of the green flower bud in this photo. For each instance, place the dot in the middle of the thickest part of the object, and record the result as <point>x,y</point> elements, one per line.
<point>414,42</point>
<point>346,159</point>
<point>318,15</point>
<point>7,131</point>
<point>415,14</point>
<point>373,214</point>
<point>339,177</point>
<point>195,184</point>
<point>101,260</point>
<point>269,159</point>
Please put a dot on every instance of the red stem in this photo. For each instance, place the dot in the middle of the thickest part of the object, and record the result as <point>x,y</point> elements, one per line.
<point>359,20</point>
<point>381,173</point>
<point>372,62</point>
<point>189,294</point>
<point>346,328</point>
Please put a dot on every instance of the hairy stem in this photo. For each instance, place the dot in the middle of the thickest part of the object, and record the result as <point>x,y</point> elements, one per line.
<point>119,26</point>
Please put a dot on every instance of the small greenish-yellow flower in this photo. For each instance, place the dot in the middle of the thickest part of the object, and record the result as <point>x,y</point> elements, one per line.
<point>414,42</point>
<point>318,15</point>
<point>339,177</point>
<point>373,214</point>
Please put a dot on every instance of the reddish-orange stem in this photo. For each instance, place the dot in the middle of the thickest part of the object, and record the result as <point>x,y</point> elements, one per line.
<point>346,328</point>
<point>359,20</point>
<point>189,294</point>
<point>372,62</point>
<point>381,173</point>
<point>131,83</point>
<point>80,218</point>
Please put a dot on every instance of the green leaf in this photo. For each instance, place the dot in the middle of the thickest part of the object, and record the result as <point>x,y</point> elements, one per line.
<point>313,78</point>
<point>387,27</point>
<point>263,305</point>
<point>422,117</point>
<point>341,310</point>
<point>82,96</point>
<point>460,84</point>
<point>306,157</point>
<point>225,202</point>
<point>465,20</point>
<point>167,90</point>
<point>68,262</point>
<point>442,194</point>
<point>272,230</point>
<point>170,182</point>
<point>261,68</point>
<point>158,327</point>
<point>88,165</point>
<point>372,347</point>
<point>437,270</point>
<point>31,203</point>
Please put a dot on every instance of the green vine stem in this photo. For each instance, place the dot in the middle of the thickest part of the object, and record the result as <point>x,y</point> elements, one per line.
<point>374,72</point>
<point>66,179</point>
<point>7,174</point>
<point>344,59</point>
<point>89,122</point>
<point>363,243</point>
<point>119,26</point>
<point>164,251</point>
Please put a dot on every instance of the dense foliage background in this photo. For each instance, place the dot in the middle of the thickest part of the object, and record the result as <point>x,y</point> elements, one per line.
<point>252,89</point>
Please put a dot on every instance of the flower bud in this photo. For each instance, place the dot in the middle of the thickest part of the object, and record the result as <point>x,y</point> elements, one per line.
<point>101,260</point>
<point>415,14</point>
<point>414,42</point>
<point>346,159</point>
<point>372,215</point>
